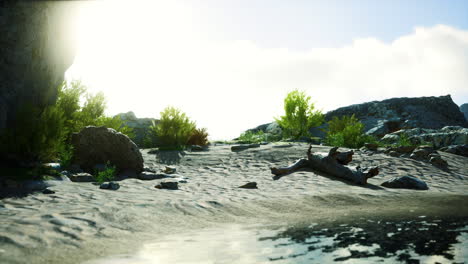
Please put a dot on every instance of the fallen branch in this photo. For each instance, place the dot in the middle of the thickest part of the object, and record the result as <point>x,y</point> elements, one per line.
<point>333,164</point>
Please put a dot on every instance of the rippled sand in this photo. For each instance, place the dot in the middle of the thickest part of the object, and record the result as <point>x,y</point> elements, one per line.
<point>81,222</point>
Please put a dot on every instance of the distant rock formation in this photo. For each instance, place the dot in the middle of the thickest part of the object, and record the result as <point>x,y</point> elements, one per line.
<point>464,110</point>
<point>37,47</point>
<point>444,137</point>
<point>141,127</point>
<point>387,116</point>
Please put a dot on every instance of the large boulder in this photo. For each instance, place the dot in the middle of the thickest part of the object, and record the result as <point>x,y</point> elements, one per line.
<point>99,145</point>
<point>141,128</point>
<point>387,116</point>
<point>37,47</point>
<point>438,138</point>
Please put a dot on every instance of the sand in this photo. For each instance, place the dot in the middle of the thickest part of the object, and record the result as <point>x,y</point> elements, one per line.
<point>81,222</point>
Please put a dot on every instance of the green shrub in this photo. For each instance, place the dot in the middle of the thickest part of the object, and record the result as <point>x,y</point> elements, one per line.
<point>173,130</point>
<point>107,174</point>
<point>199,136</point>
<point>347,131</point>
<point>35,136</point>
<point>257,137</point>
<point>299,116</point>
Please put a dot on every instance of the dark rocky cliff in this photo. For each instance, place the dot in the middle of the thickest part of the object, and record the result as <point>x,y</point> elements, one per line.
<point>36,48</point>
<point>382,117</point>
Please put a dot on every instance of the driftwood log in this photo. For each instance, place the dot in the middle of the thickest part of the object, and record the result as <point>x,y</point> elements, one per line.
<point>335,164</point>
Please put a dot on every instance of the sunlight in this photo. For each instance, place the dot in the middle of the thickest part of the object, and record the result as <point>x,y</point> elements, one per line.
<point>147,55</point>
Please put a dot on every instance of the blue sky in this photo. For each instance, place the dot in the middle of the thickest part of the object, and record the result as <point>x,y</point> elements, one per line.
<point>302,25</point>
<point>236,60</point>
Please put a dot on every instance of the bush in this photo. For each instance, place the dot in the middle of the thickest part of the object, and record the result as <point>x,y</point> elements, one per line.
<point>107,174</point>
<point>41,133</point>
<point>347,131</point>
<point>173,130</point>
<point>199,136</point>
<point>35,136</point>
<point>257,137</point>
<point>299,116</point>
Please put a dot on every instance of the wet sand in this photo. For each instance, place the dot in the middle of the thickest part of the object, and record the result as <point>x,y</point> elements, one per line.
<point>81,222</point>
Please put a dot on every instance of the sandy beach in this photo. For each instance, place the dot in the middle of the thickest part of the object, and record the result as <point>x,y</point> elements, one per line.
<point>82,223</point>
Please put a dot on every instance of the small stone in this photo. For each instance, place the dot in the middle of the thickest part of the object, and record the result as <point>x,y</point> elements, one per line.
<point>168,185</point>
<point>110,186</point>
<point>244,147</point>
<point>437,161</point>
<point>196,148</point>
<point>371,146</point>
<point>148,176</point>
<point>405,182</point>
<point>394,153</point>
<point>249,185</point>
<point>47,191</point>
<point>169,169</point>
<point>82,177</point>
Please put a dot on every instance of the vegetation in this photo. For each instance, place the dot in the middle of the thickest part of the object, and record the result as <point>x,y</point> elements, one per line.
<point>198,136</point>
<point>173,130</point>
<point>41,134</point>
<point>257,137</point>
<point>107,174</point>
<point>347,131</point>
<point>300,115</point>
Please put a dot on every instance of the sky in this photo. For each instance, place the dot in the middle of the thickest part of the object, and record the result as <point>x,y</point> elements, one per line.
<point>229,64</point>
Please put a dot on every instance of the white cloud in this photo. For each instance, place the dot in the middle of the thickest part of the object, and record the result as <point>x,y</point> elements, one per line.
<point>230,87</point>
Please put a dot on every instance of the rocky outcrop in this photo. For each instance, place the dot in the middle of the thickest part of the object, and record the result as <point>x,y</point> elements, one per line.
<point>37,47</point>
<point>438,138</point>
<point>464,110</point>
<point>141,128</point>
<point>99,145</point>
<point>461,150</point>
<point>387,116</point>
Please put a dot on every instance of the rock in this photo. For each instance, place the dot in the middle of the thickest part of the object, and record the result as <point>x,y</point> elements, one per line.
<point>383,117</point>
<point>371,146</point>
<point>168,185</point>
<point>464,110</point>
<point>406,182</point>
<point>436,160</point>
<point>147,169</point>
<point>196,148</point>
<point>110,186</point>
<point>446,136</point>
<point>249,185</point>
<point>403,149</point>
<point>47,191</point>
<point>52,165</point>
<point>169,169</point>
<point>461,150</point>
<point>141,128</point>
<point>37,49</point>
<point>422,153</point>
<point>244,147</point>
<point>82,177</point>
<point>126,174</point>
<point>101,145</point>
<point>394,153</point>
<point>148,176</point>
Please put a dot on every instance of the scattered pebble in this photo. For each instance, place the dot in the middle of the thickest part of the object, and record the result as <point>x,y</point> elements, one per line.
<point>167,185</point>
<point>47,191</point>
<point>249,185</point>
<point>110,186</point>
